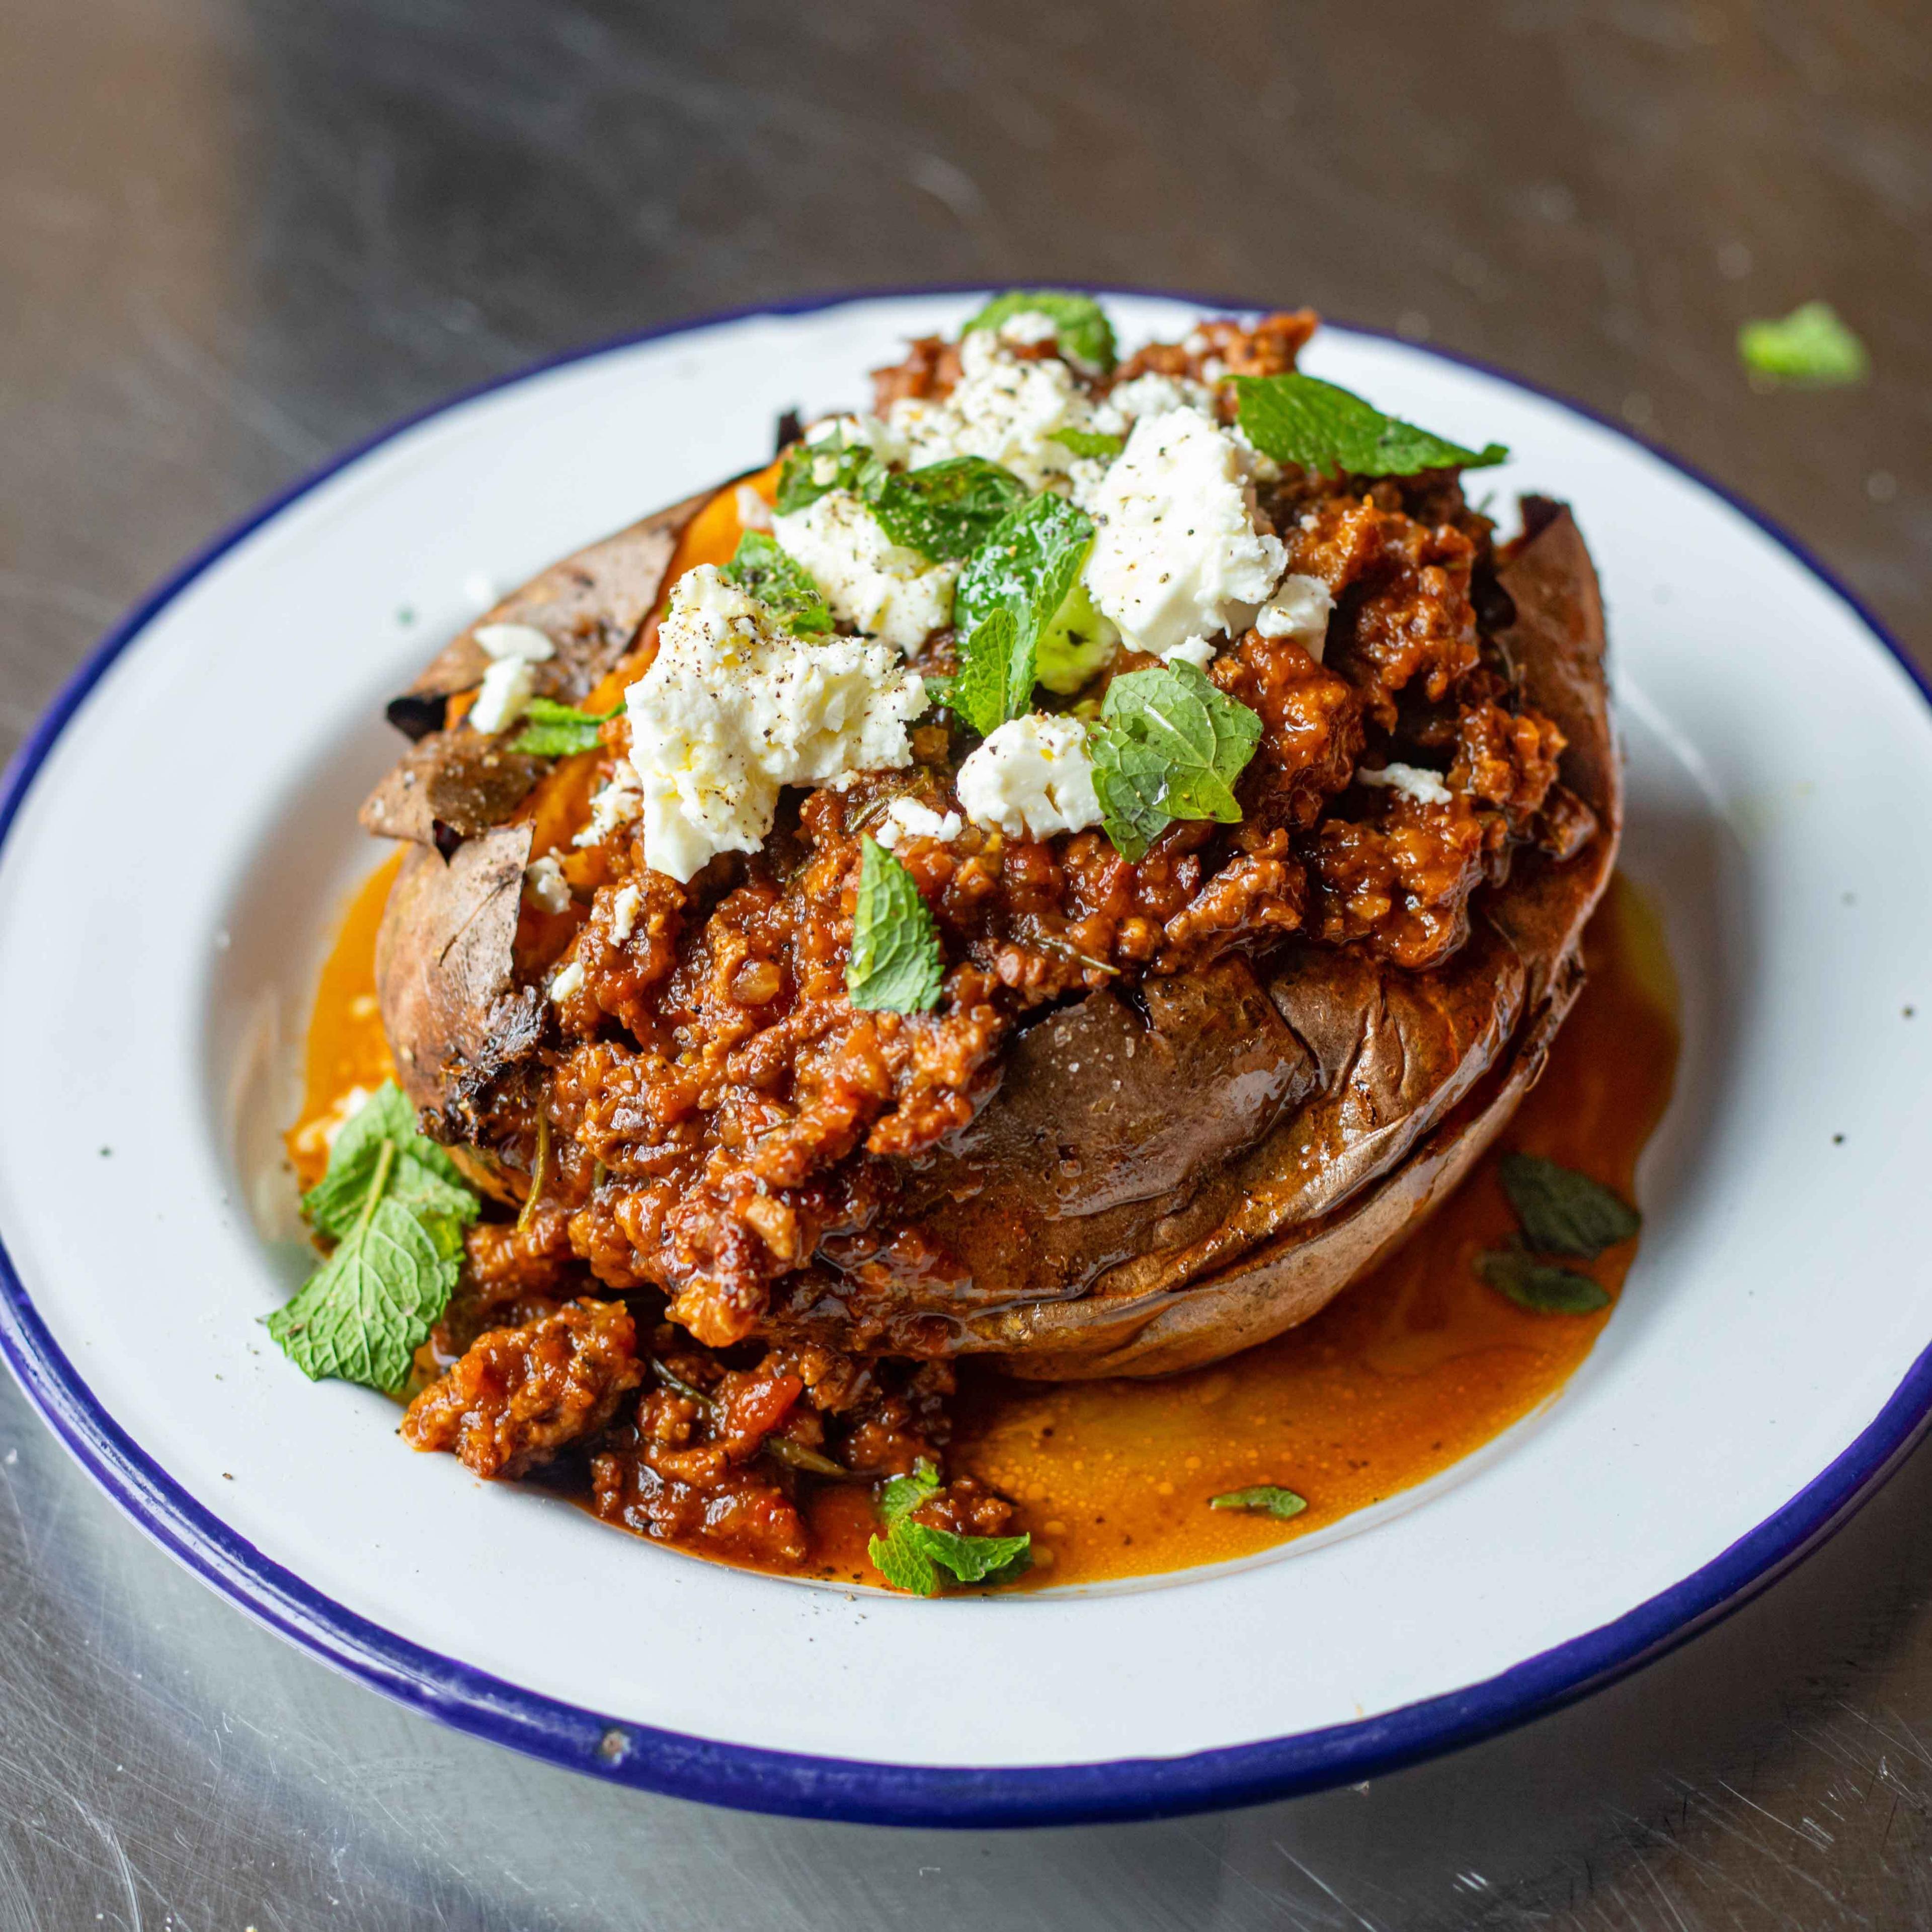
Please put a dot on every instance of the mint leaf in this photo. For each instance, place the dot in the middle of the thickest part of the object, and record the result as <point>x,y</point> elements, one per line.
<point>811,470</point>
<point>422,1178</point>
<point>973,1559</point>
<point>762,570</point>
<point>554,730</point>
<point>1811,345</point>
<point>1563,1212</point>
<point>1168,745</point>
<point>895,965</point>
<point>1076,645</point>
<point>910,1555</point>
<point>1264,1499</point>
<point>1296,418</point>
<point>1541,1287</point>
<point>947,510</point>
<point>903,1565</point>
<point>397,1204</point>
<point>1027,567</point>
<point>1091,442</point>
<point>1080,323</point>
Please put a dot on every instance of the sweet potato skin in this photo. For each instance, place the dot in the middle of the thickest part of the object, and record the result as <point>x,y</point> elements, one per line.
<point>1150,1189</point>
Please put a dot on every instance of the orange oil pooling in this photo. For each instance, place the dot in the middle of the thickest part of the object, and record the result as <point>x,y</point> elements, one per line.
<point>1401,1375</point>
<point>348,1052</point>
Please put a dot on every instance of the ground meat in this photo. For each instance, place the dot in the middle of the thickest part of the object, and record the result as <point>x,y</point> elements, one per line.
<point>519,1395</point>
<point>930,369</point>
<point>718,1115</point>
<point>1227,348</point>
<point>966,1508</point>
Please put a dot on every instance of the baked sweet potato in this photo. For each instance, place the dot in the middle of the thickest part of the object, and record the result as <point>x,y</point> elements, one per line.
<point>1162,1177</point>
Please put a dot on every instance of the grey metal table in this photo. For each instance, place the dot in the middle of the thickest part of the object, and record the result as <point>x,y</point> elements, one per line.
<point>235,234</point>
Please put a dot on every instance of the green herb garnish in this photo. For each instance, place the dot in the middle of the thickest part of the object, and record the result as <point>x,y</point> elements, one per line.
<point>1811,345</point>
<point>1080,324</point>
<point>783,586</point>
<point>1541,1287</point>
<point>1024,571</point>
<point>1091,442</point>
<point>554,730</point>
<point>1264,1499</point>
<point>811,470</point>
<point>1563,1212</point>
<point>947,510</point>
<point>1168,745</point>
<point>895,965</point>
<point>1296,418</point>
<point>910,1555</point>
<point>397,1205</point>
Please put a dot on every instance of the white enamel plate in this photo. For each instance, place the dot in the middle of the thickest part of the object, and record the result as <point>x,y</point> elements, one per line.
<point>178,838</point>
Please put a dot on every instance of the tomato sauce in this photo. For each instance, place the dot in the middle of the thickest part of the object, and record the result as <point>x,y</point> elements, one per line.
<point>1402,1375</point>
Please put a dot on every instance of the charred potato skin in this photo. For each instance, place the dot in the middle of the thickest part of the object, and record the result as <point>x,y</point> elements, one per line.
<point>1291,1123</point>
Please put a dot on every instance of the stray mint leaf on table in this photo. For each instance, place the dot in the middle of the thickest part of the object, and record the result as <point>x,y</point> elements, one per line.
<point>1323,429</point>
<point>1080,323</point>
<point>895,965</point>
<point>1811,346</point>
<point>554,730</point>
<point>397,1204</point>
<point>1027,568</point>
<point>1563,1212</point>
<point>1168,744</point>
<point>1541,1287</point>
<point>1263,1499</point>
<point>762,570</point>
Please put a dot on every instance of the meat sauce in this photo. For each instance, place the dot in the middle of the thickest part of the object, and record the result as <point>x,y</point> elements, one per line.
<point>1412,1369</point>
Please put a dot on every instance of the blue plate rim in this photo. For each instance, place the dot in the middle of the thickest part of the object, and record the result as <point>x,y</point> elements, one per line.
<point>864,1792</point>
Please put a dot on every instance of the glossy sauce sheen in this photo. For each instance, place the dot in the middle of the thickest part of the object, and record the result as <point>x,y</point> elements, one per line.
<point>1404,1373</point>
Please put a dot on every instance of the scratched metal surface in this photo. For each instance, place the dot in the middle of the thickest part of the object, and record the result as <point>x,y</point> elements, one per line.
<point>237,234</point>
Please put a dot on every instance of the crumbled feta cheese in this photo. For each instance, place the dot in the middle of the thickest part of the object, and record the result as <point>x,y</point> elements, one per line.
<point>1002,408</point>
<point>869,582</point>
<point>1029,329</point>
<point>734,707</point>
<point>568,983</point>
<point>1199,651</point>
<point>545,885</point>
<point>884,441</point>
<point>615,802</point>
<point>515,641</point>
<point>507,689</point>
<point>754,512</point>
<point>624,903</point>
<point>908,818</point>
<point>346,1107</point>
<point>1178,556</point>
<point>1031,778</point>
<point>1412,781</point>
<point>1149,395</point>
<point>1299,609</point>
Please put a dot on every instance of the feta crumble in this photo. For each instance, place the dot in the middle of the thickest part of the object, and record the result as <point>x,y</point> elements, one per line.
<point>1031,778</point>
<point>1002,408</point>
<point>1299,609</point>
<point>754,512</point>
<point>515,641</point>
<point>545,886</point>
<point>568,983</point>
<point>624,904</point>
<point>617,802</point>
<point>507,687</point>
<point>1150,395</point>
<point>734,707</point>
<point>1178,560</point>
<point>1029,329</point>
<point>908,818</point>
<point>868,581</point>
<point>1412,781</point>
